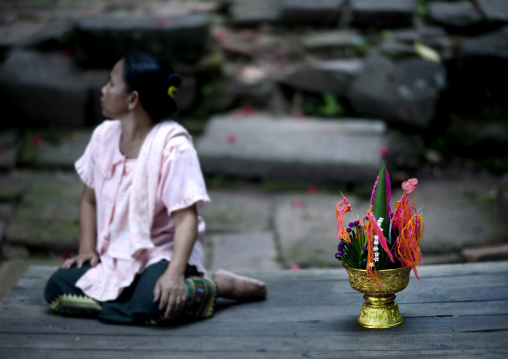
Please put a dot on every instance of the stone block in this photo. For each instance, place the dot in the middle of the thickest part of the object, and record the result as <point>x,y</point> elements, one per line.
<point>14,34</point>
<point>406,91</point>
<point>13,186</point>
<point>243,251</point>
<point>454,16</point>
<point>233,212</point>
<point>63,149</point>
<point>55,35</point>
<point>332,77</point>
<point>305,226</point>
<point>248,12</point>
<point>480,78</point>
<point>502,199</point>
<point>9,147</point>
<point>334,39</point>
<point>382,14</point>
<point>6,212</point>
<point>261,146</point>
<point>457,214</point>
<point>317,12</point>
<point>43,88</point>
<point>101,42</point>
<point>491,253</point>
<point>396,49</point>
<point>494,10</point>
<point>47,218</point>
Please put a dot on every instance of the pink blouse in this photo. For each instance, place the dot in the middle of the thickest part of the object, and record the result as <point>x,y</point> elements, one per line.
<point>181,184</point>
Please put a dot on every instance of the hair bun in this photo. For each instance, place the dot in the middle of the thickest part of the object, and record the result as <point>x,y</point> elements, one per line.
<point>174,80</point>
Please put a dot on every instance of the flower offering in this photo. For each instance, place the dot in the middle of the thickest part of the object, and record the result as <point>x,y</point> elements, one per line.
<point>382,239</point>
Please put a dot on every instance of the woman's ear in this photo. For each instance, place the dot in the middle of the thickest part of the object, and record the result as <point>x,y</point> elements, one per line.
<point>133,100</point>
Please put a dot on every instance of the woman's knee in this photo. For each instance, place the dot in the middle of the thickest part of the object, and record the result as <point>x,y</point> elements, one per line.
<point>63,281</point>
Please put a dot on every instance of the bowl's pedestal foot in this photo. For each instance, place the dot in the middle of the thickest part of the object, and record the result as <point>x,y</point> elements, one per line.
<point>380,312</point>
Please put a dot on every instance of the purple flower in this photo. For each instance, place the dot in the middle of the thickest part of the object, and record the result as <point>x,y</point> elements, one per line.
<point>357,222</point>
<point>341,253</point>
<point>348,229</point>
<point>364,263</point>
<point>365,249</point>
<point>351,224</point>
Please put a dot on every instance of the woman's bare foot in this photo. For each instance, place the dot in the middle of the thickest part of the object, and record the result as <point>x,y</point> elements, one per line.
<point>233,286</point>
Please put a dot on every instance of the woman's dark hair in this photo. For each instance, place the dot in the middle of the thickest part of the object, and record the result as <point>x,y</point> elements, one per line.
<point>151,78</point>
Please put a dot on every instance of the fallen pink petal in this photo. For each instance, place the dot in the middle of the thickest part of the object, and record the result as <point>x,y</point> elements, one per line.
<point>231,138</point>
<point>312,189</point>
<point>298,203</point>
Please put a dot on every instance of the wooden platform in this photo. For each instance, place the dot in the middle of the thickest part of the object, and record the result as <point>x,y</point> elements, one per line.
<point>457,311</point>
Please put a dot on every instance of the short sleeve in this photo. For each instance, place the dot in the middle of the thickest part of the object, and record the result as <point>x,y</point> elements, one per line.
<point>182,182</point>
<point>85,164</point>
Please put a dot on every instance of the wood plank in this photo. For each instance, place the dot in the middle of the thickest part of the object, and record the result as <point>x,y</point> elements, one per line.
<point>308,325</point>
<point>488,287</point>
<point>17,318</point>
<point>372,341</point>
<point>339,273</point>
<point>219,354</point>
<point>457,310</point>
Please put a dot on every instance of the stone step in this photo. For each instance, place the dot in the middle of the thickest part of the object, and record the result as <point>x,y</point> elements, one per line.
<point>242,251</point>
<point>46,218</point>
<point>102,41</point>
<point>382,14</point>
<point>263,146</point>
<point>40,88</point>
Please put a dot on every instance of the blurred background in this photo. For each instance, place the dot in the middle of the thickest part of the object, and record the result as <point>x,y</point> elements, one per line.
<point>290,103</point>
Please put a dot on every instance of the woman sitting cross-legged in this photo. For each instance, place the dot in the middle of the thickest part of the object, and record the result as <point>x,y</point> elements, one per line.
<point>140,255</point>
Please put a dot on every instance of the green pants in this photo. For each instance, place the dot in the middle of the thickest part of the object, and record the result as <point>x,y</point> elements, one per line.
<point>135,304</point>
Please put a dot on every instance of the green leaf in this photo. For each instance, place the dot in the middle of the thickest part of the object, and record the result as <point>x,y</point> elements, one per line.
<point>380,206</point>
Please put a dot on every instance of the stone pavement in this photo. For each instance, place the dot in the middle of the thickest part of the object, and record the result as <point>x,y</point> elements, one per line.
<point>251,225</point>
<point>258,224</point>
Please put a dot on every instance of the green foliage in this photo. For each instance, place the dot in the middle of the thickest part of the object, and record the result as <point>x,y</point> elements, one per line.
<point>380,206</point>
<point>354,255</point>
<point>327,105</point>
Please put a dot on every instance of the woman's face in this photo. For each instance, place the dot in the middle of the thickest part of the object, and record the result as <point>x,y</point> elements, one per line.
<point>115,98</point>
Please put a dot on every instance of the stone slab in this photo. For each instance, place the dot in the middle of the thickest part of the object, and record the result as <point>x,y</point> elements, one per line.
<point>305,226</point>
<point>56,34</point>
<point>454,15</point>
<point>243,251</point>
<point>405,91</point>
<point>262,146</point>
<point>490,253</point>
<point>102,41</point>
<point>6,211</point>
<point>457,214</point>
<point>333,39</point>
<point>13,186</point>
<point>332,77</point>
<point>9,148</point>
<point>317,12</point>
<point>47,219</point>
<point>15,34</point>
<point>64,149</point>
<point>494,10</point>
<point>248,12</point>
<point>382,14</point>
<point>237,212</point>
<point>42,88</point>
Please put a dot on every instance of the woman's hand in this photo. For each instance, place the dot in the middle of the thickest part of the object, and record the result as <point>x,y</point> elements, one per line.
<point>171,292</point>
<point>81,259</point>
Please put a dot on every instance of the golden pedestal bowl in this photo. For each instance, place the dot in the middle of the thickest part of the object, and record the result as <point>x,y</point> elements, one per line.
<point>379,310</point>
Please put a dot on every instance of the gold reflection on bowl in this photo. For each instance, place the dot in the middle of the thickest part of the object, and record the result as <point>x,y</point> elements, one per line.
<point>379,309</point>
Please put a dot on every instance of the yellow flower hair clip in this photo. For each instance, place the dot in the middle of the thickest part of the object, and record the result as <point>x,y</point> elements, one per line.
<point>171,91</point>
